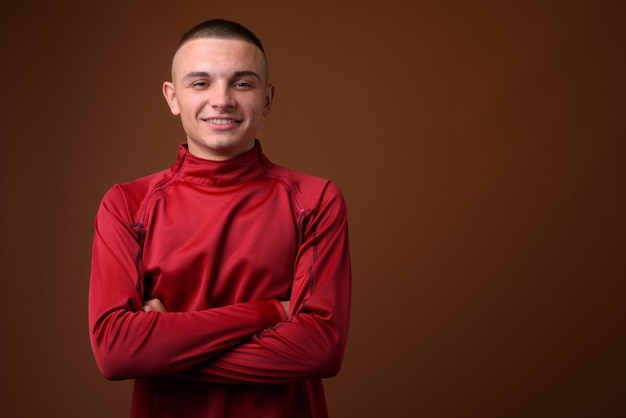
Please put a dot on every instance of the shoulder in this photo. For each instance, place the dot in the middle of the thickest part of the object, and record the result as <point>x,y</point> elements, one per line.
<point>313,191</point>
<point>129,196</point>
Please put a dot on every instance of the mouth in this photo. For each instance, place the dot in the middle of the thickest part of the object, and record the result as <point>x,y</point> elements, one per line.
<point>221,121</point>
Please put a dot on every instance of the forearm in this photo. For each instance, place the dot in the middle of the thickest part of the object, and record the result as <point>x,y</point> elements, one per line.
<point>305,347</point>
<point>130,344</point>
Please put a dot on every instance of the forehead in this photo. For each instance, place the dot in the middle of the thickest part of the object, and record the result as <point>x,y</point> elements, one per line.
<point>215,54</point>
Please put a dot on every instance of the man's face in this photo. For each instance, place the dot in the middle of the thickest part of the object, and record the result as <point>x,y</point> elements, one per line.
<point>220,90</point>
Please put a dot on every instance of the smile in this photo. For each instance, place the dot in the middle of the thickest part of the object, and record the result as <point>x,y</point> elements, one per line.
<point>218,121</point>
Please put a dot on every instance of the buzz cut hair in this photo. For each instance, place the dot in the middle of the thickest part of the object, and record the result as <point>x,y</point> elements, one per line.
<point>222,29</point>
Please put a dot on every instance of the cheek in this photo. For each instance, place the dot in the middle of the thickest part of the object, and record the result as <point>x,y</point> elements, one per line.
<point>191,103</point>
<point>189,110</point>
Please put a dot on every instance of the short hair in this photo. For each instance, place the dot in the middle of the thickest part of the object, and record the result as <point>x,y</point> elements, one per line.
<point>223,29</point>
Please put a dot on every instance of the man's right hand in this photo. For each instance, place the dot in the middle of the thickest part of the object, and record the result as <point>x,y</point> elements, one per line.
<point>154,305</point>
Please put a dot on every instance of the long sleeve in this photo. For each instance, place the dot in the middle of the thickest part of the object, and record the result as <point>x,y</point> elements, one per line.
<point>128,343</point>
<point>312,342</point>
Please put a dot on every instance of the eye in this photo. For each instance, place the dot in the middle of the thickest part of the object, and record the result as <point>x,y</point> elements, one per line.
<point>200,84</point>
<point>243,85</point>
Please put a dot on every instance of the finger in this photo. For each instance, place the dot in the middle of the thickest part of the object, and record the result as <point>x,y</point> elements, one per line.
<point>151,305</point>
<point>154,305</point>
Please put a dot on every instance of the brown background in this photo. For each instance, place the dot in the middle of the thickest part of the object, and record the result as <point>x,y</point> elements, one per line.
<point>479,145</point>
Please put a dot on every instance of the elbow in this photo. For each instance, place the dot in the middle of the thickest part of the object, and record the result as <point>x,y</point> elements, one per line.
<point>115,356</point>
<point>112,373</point>
<point>112,365</point>
<point>331,356</point>
<point>332,362</point>
<point>122,363</point>
<point>329,344</point>
<point>118,363</point>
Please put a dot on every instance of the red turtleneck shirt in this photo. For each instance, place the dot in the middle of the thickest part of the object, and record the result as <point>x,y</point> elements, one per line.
<point>220,244</point>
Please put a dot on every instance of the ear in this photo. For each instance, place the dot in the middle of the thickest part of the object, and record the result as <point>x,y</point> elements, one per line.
<point>269,97</point>
<point>170,96</point>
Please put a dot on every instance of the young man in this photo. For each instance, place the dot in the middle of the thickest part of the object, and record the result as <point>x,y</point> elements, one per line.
<point>221,285</point>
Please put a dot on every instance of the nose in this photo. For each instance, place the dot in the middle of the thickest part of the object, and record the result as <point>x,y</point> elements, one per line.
<point>221,96</point>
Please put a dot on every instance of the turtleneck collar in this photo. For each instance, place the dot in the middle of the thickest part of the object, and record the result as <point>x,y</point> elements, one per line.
<point>244,167</point>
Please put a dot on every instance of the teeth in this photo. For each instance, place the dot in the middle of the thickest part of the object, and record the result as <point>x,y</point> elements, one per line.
<point>221,121</point>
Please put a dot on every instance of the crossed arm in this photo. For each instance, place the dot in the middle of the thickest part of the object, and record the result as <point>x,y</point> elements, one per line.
<point>251,342</point>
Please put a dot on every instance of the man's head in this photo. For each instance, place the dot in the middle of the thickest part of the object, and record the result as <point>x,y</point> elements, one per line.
<point>220,88</point>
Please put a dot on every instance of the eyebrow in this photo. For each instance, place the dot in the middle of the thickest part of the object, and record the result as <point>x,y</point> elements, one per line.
<point>242,73</point>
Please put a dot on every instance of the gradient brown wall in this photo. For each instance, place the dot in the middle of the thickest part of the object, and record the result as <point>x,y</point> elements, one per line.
<point>480,147</point>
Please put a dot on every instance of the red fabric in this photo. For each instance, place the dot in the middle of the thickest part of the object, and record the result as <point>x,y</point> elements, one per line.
<point>220,243</point>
